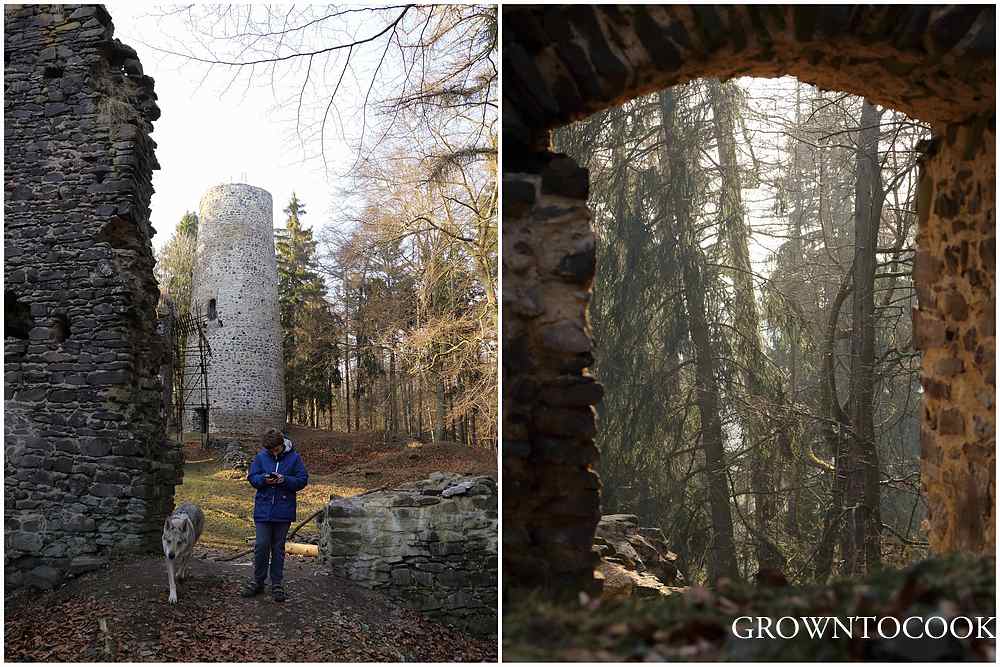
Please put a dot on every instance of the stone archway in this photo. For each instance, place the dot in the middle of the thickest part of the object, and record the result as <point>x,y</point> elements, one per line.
<point>562,63</point>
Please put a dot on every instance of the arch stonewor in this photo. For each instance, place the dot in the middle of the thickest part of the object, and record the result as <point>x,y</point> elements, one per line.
<point>561,63</point>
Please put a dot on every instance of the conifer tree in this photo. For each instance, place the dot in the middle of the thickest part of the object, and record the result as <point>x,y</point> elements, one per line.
<point>188,224</point>
<point>302,306</point>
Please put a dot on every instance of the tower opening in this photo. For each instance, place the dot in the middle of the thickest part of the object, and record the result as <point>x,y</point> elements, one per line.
<point>16,316</point>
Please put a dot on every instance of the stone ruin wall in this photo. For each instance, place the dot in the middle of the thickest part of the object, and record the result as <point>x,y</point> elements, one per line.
<point>955,329</point>
<point>935,63</point>
<point>236,266</point>
<point>431,544</point>
<point>551,502</point>
<point>87,470</point>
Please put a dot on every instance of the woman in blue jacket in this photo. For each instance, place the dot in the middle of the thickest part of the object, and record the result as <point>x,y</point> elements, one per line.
<point>277,472</point>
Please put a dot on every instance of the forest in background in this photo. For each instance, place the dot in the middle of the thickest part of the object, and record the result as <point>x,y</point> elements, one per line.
<point>751,320</point>
<point>389,320</point>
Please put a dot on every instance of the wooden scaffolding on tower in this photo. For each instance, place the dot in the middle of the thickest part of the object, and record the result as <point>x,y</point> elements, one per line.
<point>192,355</point>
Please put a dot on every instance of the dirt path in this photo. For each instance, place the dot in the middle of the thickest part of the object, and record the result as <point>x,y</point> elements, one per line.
<point>325,619</point>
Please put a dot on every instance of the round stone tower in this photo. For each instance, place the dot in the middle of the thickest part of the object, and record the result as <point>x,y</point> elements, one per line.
<point>235,284</point>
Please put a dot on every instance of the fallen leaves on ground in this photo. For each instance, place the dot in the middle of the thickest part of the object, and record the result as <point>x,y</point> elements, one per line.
<point>366,460</point>
<point>325,620</point>
<point>369,460</point>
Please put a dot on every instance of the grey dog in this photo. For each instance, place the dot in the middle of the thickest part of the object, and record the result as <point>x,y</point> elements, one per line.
<point>181,531</point>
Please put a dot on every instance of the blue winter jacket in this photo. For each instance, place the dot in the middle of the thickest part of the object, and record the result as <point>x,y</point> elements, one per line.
<point>276,502</point>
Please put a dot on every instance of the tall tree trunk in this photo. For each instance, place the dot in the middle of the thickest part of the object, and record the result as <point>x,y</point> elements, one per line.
<point>797,470</point>
<point>862,540</point>
<point>440,407</point>
<point>371,408</point>
<point>453,423</point>
<point>408,404</point>
<point>677,180</point>
<point>834,429</point>
<point>347,377</point>
<point>393,406</point>
<point>357,393</point>
<point>762,398</point>
<point>420,405</point>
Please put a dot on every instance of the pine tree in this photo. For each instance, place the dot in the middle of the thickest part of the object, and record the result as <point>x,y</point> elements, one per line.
<point>175,263</point>
<point>188,225</point>
<point>302,307</point>
<point>175,273</point>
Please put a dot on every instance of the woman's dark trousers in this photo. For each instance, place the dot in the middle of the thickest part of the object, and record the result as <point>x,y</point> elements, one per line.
<point>270,548</point>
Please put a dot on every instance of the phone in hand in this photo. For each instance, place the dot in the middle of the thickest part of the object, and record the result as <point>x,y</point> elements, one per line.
<point>271,476</point>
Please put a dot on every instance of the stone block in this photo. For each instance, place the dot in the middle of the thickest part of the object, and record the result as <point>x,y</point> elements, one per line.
<point>518,197</point>
<point>30,543</point>
<point>951,422</point>
<point>928,331</point>
<point>566,422</point>
<point>401,577</point>
<point>43,576</point>
<point>82,564</point>
<point>109,490</point>
<point>565,338</point>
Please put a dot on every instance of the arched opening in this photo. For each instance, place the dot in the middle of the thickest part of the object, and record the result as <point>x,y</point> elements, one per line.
<point>730,223</point>
<point>562,63</point>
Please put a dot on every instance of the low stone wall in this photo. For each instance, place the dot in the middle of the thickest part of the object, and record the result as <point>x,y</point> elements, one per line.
<point>431,544</point>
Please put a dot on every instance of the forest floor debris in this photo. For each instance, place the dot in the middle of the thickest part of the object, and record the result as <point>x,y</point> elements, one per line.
<point>120,612</point>
<point>368,460</point>
<point>697,624</point>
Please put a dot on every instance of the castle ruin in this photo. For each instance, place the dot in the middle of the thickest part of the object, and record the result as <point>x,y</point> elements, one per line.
<point>87,469</point>
<point>235,287</point>
<point>561,63</point>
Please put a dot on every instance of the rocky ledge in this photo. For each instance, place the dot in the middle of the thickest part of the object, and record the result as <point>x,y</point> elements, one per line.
<point>634,560</point>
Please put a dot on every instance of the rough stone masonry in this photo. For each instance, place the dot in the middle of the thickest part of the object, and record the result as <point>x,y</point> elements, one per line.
<point>236,286</point>
<point>431,544</point>
<point>936,63</point>
<point>87,470</point>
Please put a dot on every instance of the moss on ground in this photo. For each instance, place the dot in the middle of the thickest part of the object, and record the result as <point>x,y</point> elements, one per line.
<point>697,624</point>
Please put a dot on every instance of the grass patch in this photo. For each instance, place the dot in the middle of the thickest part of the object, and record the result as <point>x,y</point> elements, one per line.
<point>227,501</point>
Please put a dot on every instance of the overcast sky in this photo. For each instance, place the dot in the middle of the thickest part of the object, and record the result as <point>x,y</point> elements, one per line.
<point>207,136</point>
